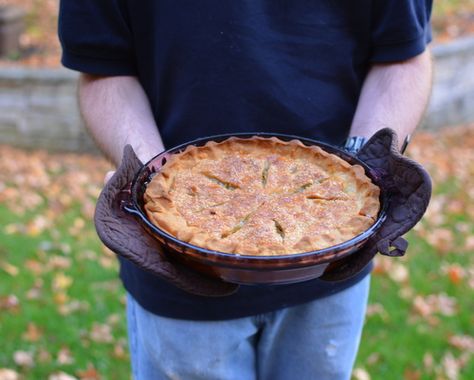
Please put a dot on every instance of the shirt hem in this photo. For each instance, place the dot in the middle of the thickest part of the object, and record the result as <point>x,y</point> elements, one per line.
<point>162,298</point>
<point>393,52</point>
<point>97,65</point>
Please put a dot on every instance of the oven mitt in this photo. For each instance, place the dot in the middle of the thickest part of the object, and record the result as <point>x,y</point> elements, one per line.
<point>121,232</point>
<point>409,189</point>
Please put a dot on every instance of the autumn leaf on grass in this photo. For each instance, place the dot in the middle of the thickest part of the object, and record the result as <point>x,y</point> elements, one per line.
<point>61,376</point>
<point>434,214</point>
<point>38,225</point>
<point>454,272</point>
<point>77,227</point>
<point>58,262</point>
<point>441,304</point>
<point>60,299</point>
<point>64,356</point>
<point>36,292</point>
<point>32,333</point>
<point>428,362</point>
<point>399,273</point>
<point>34,266</point>
<point>73,306</point>
<point>9,303</point>
<point>396,270</point>
<point>14,228</point>
<point>469,243</point>
<point>43,355</point>
<point>377,309</point>
<point>8,374</point>
<point>9,268</point>
<point>120,350</point>
<point>89,374</point>
<point>101,333</point>
<point>442,239</point>
<point>61,282</point>
<point>23,359</point>
<point>464,343</point>
<point>451,366</point>
<point>360,374</point>
<point>113,319</point>
<point>411,374</point>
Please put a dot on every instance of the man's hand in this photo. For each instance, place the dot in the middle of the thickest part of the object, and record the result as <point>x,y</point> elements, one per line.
<point>394,95</point>
<point>117,112</point>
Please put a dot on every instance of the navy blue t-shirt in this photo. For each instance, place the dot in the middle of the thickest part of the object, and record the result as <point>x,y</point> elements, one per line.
<point>223,66</point>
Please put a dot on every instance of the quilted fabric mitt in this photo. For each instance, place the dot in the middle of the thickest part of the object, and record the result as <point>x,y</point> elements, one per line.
<point>120,232</point>
<point>409,188</point>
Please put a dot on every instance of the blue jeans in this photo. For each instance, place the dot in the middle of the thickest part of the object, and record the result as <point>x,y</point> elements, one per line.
<point>316,340</point>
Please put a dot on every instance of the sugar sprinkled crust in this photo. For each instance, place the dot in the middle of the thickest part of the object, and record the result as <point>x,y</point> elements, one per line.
<point>261,196</point>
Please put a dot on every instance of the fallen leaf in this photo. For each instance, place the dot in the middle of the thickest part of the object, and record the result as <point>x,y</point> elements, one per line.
<point>61,376</point>
<point>108,252</point>
<point>62,282</point>
<point>107,262</point>
<point>14,228</point>
<point>9,268</point>
<point>360,374</point>
<point>32,333</point>
<point>8,374</point>
<point>89,374</point>
<point>38,225</point>
<point>34,267</point>
<point>406,293</point>
<point>399,273</point>
<point>411,374</point>
<point>442,239</point>
<point>73,306</point>
<point>469,243</point>
<point>451,366</point>
<point>59,262</point>
<point>455,206</point>
<point>9,303</point>
<point>455,273</point>
<point>120,352</point>
<point>23,359</point>
<point>101,333</point>
<point>43,356</point>
<point>64,356</point>
<point>428,362</point>
<point>36,292</point>
<point>462,342</point>
<point>376,309</point>
<point>435,304</point>
<point>113,319</point>
<point>373,358</point>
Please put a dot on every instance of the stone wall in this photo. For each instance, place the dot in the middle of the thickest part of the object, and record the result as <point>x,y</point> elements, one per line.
<point>38,107</point>
<point>452,100</point>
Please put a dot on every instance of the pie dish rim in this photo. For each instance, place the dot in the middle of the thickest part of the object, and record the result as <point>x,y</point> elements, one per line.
<point>289,260</point>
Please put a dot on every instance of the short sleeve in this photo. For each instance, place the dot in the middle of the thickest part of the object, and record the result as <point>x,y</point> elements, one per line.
<point>95,37</point>
<point>400,29</point>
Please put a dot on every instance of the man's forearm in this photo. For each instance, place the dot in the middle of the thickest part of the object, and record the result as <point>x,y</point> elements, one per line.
<point>394,95</point>
<point>117,112</point>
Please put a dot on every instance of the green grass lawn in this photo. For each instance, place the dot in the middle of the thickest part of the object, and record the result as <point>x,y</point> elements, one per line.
<point>62,305</point>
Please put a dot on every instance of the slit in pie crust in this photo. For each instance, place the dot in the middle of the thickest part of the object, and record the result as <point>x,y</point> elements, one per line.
<point>261,196</point>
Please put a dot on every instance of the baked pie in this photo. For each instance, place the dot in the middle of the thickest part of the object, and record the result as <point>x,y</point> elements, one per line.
<point>261,196</point>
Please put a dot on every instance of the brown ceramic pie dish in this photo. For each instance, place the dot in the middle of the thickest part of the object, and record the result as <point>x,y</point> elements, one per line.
<point>250,269</point>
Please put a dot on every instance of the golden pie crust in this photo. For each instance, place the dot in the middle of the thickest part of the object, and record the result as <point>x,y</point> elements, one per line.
<point>261,196</point>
